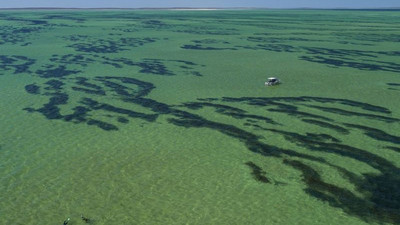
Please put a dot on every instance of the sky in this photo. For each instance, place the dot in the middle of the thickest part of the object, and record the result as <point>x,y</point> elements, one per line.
<point>200,3</point>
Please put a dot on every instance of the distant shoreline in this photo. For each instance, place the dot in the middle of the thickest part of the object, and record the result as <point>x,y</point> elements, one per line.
<point>58,8</point>
<point>204,9</point>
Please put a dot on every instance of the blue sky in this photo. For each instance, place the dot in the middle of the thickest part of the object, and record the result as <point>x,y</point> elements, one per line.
<point>200,3</point>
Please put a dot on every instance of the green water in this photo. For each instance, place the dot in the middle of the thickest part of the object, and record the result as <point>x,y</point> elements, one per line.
<point>162,117</point>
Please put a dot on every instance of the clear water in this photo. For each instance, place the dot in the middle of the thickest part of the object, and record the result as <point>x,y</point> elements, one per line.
<point>162,117</point>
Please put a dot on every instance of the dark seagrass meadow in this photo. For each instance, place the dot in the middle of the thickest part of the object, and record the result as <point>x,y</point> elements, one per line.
<point>162,117</point>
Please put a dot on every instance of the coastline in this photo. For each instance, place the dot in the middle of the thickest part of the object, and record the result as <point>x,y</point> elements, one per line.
<point>178,9</point>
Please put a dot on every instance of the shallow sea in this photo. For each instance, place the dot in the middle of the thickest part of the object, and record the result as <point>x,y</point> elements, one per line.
<point>162,117</point>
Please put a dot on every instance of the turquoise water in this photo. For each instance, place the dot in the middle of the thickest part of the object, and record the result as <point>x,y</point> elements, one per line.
<point>162,117</point>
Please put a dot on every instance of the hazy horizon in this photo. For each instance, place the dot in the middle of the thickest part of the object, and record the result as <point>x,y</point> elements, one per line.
<point>201,4</point>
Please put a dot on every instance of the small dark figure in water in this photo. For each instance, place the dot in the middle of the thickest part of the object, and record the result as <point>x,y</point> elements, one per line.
<point>87,220</point>
<point>66,221</point>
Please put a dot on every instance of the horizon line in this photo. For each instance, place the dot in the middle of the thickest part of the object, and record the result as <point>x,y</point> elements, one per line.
<point>196,8</point>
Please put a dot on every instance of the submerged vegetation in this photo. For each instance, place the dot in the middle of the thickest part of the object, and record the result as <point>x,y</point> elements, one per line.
<point>73,90</point>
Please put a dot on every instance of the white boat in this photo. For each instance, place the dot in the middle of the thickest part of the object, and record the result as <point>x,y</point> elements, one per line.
<point>272,81</point>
